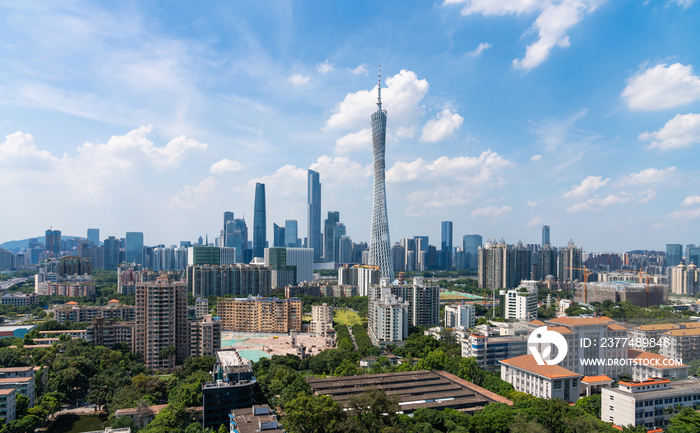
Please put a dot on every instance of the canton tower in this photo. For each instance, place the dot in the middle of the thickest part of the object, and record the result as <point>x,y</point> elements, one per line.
<point>379,246</point>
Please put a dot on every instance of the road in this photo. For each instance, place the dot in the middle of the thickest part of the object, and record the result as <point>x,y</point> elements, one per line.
<point>5,285</point>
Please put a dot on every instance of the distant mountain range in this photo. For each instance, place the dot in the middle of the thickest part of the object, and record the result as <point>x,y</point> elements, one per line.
<point>24,243</point>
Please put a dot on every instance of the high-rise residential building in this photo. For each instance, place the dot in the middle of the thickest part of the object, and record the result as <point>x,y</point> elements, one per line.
<point>93,236</point>
<point>313,232</point>
<point>291,236</point>
<point>570,257</point>
<point>201,306</point>
<point>321,319</point>
<point>260,314</point>
<point>205,336</point>
<point>545,236</point>
<point>546,263</point>
<point>134,247</point>
<point>502,266</point>
<point>423,301</point>
<point>278,236</point>
<point>161,332</point>
<point>329,227</point>
<point>53,243</point>
<point>259,222</point>
<point>463,315</point>
<point>685,280</point>
<point>692,255</point>
<point>387,319</point>
<point>519,303</point>
<point>239,280</point>
<point>674,255</point>
<point>446,245</point>
<point>470,246</point>
<point>380,243</point>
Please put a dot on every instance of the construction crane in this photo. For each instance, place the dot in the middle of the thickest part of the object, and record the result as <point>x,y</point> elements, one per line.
<point>646,277</point>
<point>586,273</point>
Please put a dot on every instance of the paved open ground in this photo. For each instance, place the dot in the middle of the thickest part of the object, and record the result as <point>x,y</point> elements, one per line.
<point>255,345</point>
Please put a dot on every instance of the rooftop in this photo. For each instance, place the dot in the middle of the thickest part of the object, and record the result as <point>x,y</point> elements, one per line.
<point>527,362</point>
<point>677,388</point>
<point>14,369</point>
<point>596,379</point>
<point>7,391</point>
<point>16,379</point>
<point>415,389</point>
<point>581,321</point>
<point>681,332</point>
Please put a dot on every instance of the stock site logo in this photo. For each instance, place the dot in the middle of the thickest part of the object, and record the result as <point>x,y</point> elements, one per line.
<point>541,337</point>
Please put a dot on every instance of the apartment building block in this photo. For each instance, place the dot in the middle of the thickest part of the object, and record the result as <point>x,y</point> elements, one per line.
<point>544,381</point>
<point>257,314</point>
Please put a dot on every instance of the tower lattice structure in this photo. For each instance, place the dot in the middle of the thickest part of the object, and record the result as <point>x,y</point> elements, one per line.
<point>380,246</point>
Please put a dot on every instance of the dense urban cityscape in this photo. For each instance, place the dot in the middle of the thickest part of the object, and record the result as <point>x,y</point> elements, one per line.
<point>294,326</point>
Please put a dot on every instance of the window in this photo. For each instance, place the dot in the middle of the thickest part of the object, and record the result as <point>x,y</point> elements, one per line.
<point>612,397</point>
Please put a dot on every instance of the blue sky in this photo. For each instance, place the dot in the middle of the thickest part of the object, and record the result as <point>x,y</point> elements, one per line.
<point>502,116</point>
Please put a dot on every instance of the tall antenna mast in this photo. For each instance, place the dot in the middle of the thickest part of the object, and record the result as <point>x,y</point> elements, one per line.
<point>379,88</point>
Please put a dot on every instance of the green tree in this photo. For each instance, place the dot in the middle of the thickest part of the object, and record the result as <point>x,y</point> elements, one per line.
<point>435,360</point>
<point>687,420</point>
<point>223,429</point>
<point>591,405</point>
<point>373,411</point>
<point>312,414</point>
<point>21,406</point>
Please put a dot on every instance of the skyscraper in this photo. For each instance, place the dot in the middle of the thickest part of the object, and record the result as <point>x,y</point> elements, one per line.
<point>111,253</point>
<point>53,242</point>
<point>471,245</point>
<point>278,236</point>
<point>228,216</point>
<point>380,244</point>
<point>674,254</point>
<point>446,245</point>
<point>545,236</point>
<point>314,215</point>
<point>692,255</point>
<point>134,247</point>
<point>329,236</point>
<point>290,234</point>
<point>259,226</point>
<point>93,236</point>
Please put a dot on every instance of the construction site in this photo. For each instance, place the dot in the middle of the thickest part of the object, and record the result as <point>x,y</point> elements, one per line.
<point>256,345</point>
<point>618,291</point>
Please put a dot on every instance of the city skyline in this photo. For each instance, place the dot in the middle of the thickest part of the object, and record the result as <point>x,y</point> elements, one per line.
<point>595,135</point>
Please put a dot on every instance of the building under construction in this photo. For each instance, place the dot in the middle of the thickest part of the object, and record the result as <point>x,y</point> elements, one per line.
<point>618,291</point>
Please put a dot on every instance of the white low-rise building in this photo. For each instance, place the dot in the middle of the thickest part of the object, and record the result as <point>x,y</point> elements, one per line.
<point>543,381</point>
<point>488,350</point>
<point>646,402</point>
<point>521,302</point>
<point>460,315</point>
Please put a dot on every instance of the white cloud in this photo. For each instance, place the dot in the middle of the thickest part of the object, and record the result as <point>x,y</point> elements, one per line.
<point>531,203</point>
<point>681,131</point>
<point>480,49</point>
<point>662,87</point>
<point>691,200</point>
<point>20,145</point>
<point>685,214</point>
<point>354,141</point>
<point>443,126</point>
<point>401,99</point>
<point>589,184</point>
<point>298,79</point>
<point>534,222</point>
<point>360,70</point>
<point>650,175</point>
<point>554,133</point>
<point>325,67</point>
<point>491,211</point>
<point>191,197</point>
<point>555,19</point>
<point>597,203</point>
<point>100,163</point>
<point>225,166</point>
<point>535,157</point>
<point>684,3</point>
<point>477,170</point>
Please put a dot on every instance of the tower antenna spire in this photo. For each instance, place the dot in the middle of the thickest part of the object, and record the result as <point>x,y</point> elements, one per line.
<point>379,88</point>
